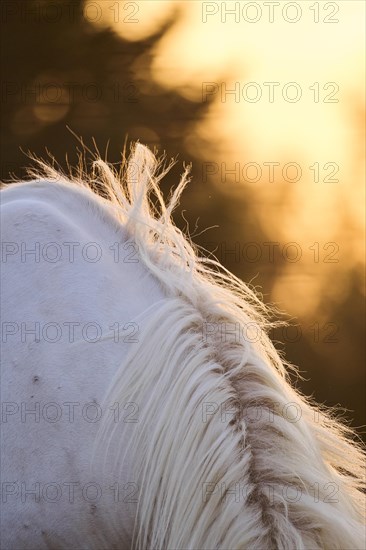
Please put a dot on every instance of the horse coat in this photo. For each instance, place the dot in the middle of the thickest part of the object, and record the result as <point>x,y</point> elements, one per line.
<point>131,416</point>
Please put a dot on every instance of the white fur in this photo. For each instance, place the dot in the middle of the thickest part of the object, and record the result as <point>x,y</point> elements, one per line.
<point>218,458</point>
<point>104,292</point>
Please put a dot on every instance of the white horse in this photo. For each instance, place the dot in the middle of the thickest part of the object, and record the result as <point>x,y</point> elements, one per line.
<point>143,404</point>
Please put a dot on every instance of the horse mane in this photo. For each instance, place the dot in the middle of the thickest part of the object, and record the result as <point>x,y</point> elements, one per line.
<point>227,453</point>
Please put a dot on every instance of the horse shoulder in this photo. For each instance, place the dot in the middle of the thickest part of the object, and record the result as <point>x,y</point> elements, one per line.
<point>55,369</point>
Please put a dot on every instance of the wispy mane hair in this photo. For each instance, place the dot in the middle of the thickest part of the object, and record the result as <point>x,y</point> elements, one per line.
<point>228,454</point>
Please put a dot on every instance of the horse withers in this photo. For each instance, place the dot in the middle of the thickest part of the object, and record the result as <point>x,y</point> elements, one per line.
<point>129,418</point>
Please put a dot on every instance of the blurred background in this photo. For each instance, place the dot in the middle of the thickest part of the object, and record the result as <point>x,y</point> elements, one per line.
<point>265,99</point>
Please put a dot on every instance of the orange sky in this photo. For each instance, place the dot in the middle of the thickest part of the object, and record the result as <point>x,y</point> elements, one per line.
<point>319,59</point>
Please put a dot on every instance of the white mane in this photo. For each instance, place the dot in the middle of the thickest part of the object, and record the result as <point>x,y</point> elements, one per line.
<point>228,454</point>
